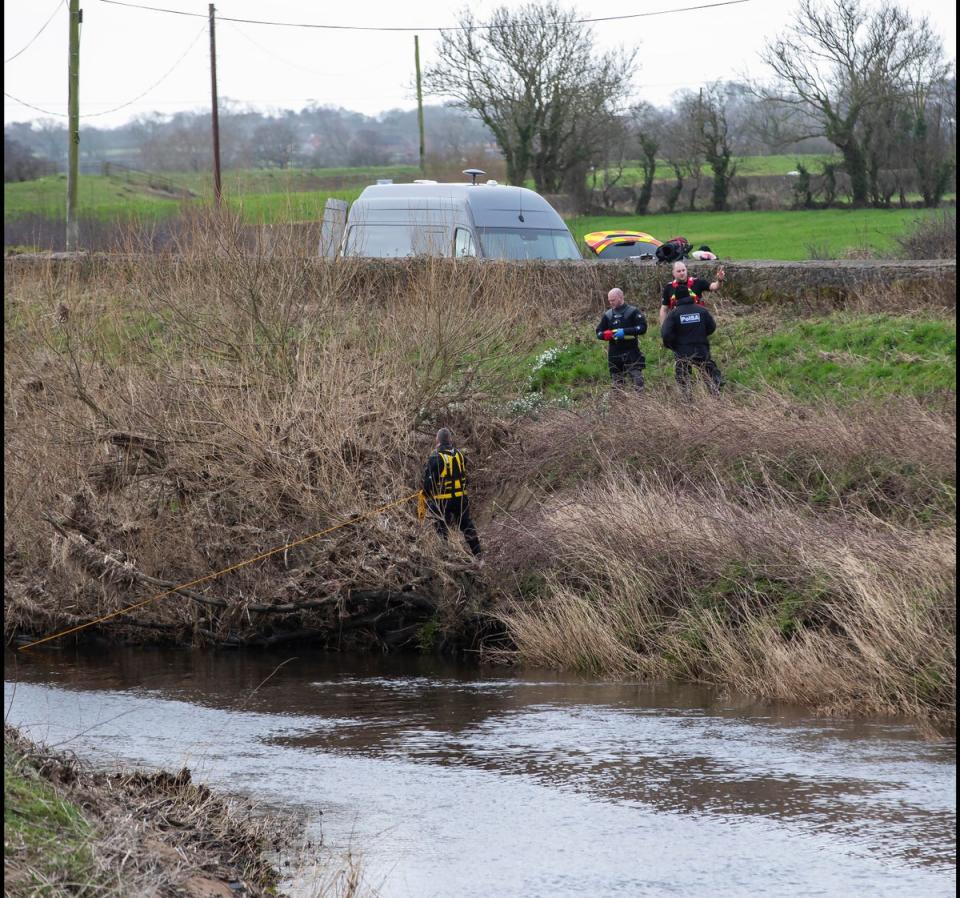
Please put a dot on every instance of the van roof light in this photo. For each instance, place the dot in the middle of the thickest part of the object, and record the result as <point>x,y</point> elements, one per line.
<point>474,174</point>
<point>384,181</point>
<point>424,181</point>
<point>492,183</point>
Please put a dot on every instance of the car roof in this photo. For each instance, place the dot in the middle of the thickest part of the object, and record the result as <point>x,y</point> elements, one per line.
<point>598,241</point>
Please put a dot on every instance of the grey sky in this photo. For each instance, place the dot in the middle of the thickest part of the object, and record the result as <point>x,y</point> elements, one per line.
<point>126,51</point>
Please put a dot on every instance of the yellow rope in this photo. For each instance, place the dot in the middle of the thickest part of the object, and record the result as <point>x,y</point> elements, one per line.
<point>225,570</point>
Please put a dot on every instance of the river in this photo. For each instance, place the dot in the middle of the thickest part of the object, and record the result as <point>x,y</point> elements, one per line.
<point>459,781</point>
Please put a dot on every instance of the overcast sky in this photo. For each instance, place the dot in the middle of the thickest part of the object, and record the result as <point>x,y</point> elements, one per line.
<point>146,61</point>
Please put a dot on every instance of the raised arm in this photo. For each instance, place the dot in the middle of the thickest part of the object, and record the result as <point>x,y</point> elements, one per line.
<point>715,285</point>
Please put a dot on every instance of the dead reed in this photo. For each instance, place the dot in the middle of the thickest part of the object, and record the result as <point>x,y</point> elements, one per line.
<point>844,612</point>
<point>176,414</point>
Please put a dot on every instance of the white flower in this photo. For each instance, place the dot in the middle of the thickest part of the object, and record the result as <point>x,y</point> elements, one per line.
<point>547,357</point>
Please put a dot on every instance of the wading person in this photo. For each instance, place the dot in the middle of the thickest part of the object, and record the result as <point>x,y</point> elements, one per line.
<point>683,283</point>
<point>445,489</point>
<point>686,330</point>
<point>621,326</point>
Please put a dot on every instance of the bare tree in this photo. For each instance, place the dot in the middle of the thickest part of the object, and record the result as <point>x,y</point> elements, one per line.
<point>716,145</point>
<point>932,109</point>
<point>19,164</point>
<point>274,143</point>
<point>683,148</point>
<point>838,61</point>
<point>534,79</point>
<point>649,125</point>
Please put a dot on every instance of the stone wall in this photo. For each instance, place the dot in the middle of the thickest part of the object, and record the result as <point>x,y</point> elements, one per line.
<point>802,286</point>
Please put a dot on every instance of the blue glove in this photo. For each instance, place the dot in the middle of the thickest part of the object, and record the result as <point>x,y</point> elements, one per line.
<point>618,334</point>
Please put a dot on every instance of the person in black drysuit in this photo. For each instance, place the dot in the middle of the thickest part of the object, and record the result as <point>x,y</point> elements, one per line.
<point>445,489</point>
<point>686,330</point>
<point>622,325</point>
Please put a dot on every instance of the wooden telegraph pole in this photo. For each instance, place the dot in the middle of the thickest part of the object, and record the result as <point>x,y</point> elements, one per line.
<point>214,115</point>
<point>73,115</point>
<point>416,59</point>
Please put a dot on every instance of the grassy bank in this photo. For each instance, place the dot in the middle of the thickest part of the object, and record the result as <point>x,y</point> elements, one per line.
<point>785,235</point>
<point>793,539</point>
<point>71,831</point>
<point>842,357</point>
<point>47,840</point>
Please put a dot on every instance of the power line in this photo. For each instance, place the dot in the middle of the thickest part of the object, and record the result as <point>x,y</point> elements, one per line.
<point>367,70</point>
<point>31,106</point>
<point>156,83</point>
<point>140,96</point>
<point>639,15</point>
<point>56,9</point>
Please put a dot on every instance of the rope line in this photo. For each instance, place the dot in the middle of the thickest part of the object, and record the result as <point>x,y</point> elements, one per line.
<point>206,578</point>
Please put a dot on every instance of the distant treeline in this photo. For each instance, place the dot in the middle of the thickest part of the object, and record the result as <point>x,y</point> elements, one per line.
<point>317,136</point>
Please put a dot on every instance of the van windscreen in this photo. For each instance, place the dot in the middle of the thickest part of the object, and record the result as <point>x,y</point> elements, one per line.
<point>527,243</point>
<point>391,241</point>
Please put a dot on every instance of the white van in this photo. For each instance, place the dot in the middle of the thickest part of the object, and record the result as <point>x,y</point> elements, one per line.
<point>481,220</point>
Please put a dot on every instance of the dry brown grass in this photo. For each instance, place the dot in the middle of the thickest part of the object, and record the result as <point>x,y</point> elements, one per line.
<point>180,414</point>
<point>847,613</point>
<point>191,416</point>
<point>894,459</point>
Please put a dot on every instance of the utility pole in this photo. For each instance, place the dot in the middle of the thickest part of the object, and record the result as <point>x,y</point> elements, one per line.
<point>73,114</point>
<point>214,115</point>
<point>416,59</point>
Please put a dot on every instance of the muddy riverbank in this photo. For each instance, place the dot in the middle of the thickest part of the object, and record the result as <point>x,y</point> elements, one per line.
<point>77,830</point>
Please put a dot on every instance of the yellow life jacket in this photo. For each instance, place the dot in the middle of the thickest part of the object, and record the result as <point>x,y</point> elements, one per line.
<point>452,482</point>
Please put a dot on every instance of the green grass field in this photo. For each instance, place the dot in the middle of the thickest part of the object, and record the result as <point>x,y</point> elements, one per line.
<point>841,357</point>
<point>786,235</point>
<point>260,197</point>
<point>746,166</point>
<point>263,195</point>
<point>275,195</point>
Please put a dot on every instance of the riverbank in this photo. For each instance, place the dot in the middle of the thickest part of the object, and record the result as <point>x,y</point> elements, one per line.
<point>795,539</point>
<point>71,830</point>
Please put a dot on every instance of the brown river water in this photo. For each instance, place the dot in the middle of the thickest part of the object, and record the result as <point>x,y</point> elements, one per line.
<point>449,779</point>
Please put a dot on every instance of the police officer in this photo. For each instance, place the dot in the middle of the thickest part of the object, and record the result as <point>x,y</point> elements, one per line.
<point>686,330</point>
<point>696,287</point>
<point>445,488</point>
<point>622,325</point>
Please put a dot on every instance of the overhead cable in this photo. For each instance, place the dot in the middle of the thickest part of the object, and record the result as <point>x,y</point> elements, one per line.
<point>287,61</point>
<point>56,9</point>
<point>140,96</point>
<point>156,83</point>
<point>31,106</point>
<point>639,15</point>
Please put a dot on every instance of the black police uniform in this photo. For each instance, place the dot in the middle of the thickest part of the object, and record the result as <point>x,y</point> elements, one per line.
<point>624,356</point>
<point>686,330</point>
<point>445,486</point>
